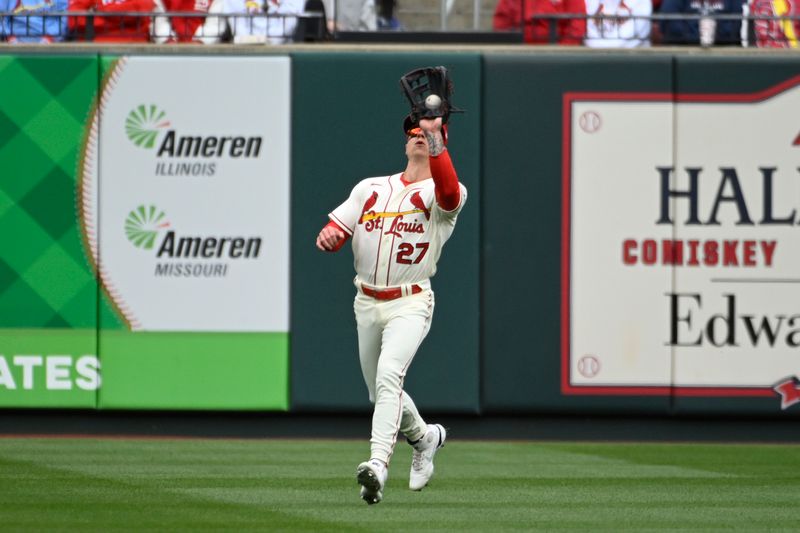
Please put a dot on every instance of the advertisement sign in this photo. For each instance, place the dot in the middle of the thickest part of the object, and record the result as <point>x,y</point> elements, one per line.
<point>52,367</point>
<point>191,169</point>
<point>48,291</point>
<point>186,213</point>
<point>680,244</point>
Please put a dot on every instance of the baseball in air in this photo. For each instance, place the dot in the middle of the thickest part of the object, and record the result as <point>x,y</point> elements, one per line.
<point>433,101</point>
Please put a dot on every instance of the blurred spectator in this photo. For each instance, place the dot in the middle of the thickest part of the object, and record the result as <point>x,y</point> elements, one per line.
<point>615,23</point>
<point>113,29</point>
<point>276,28</point>
<point>655,28</point>
<point>30,23</point>
<point>312,28</point>
<point>686,31</point>
<point>351,15</point>
<point>206,30</point>
<point>775,33</point>
<point>387,21</point>
<point>509,14</point>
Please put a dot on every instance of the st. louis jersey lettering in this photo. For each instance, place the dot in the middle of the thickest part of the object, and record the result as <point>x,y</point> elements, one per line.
<point>398,230</point>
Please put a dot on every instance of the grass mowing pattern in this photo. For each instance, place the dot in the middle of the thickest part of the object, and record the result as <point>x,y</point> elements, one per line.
<point>190,485</point>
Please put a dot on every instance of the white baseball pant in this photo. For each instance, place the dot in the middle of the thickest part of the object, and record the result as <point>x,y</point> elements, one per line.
<point>389,333</point>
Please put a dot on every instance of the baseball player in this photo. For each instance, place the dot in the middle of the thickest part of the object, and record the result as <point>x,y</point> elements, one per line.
<point>398,225</point>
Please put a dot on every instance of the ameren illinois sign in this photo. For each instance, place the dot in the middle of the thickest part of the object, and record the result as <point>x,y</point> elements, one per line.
<point>681,244</point>
<point>185,202</point>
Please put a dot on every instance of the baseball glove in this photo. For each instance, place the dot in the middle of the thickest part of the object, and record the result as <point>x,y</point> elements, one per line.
<point>429,91</point>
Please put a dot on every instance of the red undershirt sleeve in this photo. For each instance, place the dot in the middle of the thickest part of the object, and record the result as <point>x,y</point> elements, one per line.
<point>448,193</point>
<point>334,225</point>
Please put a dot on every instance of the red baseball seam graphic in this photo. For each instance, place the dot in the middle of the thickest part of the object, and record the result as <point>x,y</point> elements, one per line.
<point>569,98</point>
<point>88,173</point>
<point>84,190</point>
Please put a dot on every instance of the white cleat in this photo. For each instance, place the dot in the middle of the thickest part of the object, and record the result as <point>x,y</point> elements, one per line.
<point>372,475</point>
<point>422,460</point>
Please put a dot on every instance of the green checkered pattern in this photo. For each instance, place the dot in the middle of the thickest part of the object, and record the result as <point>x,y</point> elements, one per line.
<point>46,279</point>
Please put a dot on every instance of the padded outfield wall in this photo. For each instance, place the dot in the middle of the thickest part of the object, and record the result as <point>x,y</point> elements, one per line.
<point>629,242</point>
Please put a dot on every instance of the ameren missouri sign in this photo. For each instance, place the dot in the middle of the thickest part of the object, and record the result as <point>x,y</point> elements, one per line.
<point>191,198</point>
<point>681,244</point>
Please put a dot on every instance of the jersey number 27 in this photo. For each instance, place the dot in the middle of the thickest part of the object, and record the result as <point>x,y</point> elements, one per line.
<point>406,250</point>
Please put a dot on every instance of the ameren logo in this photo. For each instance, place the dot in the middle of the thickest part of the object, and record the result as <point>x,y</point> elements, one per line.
<point>55,372</point>
<point>143,123</point>
<point>143,224</point>
<point>190,256</point>
<point>181,154</point>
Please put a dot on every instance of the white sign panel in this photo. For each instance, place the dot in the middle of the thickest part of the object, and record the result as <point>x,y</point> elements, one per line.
<point>190,158</point>
<point>682,246</point>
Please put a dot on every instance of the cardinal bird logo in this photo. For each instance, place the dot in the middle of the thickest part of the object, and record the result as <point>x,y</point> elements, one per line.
<point>789,391</point>
<point>796,140</point>
<point>416,201</point>
<point>368,205</point>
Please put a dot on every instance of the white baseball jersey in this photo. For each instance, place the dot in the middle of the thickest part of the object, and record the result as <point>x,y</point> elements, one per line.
<point>618,28</point>
<point>398,231</point>
<point>276,28</point>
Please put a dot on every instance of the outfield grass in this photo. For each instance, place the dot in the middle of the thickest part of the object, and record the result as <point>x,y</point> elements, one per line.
<point>208,484</point>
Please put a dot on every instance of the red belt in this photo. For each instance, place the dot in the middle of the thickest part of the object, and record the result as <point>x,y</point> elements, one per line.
<point>392,293</point>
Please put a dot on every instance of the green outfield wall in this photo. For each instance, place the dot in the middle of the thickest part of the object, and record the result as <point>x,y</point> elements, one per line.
<point>362,139</point>
<point>628,246</point>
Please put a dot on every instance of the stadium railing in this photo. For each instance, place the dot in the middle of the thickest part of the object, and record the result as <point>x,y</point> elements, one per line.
<point>311,27</point>
<point>263,27</point>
